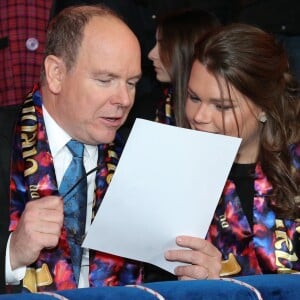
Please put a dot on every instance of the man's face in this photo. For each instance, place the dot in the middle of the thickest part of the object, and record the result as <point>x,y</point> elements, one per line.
<point>98,92</point>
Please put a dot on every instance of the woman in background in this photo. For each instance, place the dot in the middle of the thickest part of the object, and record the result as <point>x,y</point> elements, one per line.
<point>172,54</point>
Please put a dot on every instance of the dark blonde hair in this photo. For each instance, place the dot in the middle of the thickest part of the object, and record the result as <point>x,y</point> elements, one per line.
<point>253,62</point>
<point>65,31</point>
<point>178,33</point>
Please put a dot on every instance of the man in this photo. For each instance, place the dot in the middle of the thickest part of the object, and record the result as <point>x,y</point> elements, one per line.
<point>87,89</point>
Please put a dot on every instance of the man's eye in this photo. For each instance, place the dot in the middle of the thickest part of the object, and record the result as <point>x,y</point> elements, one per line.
<point>131,84</point>
<point>104,80</point>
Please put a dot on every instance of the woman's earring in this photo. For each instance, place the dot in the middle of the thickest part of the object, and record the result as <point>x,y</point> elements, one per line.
<point>263,118</point>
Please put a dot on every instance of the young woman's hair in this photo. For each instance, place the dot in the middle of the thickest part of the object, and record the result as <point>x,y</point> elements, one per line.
<point>253,62</point>
<point>177,34</point>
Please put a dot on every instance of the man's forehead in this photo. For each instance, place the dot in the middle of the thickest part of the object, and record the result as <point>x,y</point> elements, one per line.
<point>103,24</point>
<point>108,29</point>
<point>108,44</point>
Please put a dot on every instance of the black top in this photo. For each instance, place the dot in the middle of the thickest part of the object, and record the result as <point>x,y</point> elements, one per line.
<point>243,177</point>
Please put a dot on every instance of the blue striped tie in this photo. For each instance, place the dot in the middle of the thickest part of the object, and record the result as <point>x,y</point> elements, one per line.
<point>75,204</point>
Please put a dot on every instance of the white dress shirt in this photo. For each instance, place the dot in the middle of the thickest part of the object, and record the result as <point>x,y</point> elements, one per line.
<point>62,157</point>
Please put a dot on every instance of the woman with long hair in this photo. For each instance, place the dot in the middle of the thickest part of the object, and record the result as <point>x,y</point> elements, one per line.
<point>176,35</point>
<point>240,85</point>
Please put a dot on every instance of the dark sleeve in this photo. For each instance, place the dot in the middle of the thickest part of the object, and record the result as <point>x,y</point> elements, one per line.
<point>7,121</point>
<point>153,273</point>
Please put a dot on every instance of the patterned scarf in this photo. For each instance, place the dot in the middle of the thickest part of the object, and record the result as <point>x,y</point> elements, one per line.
<point>33,177</point>
<point>165,110</point>
<point>272,246</point>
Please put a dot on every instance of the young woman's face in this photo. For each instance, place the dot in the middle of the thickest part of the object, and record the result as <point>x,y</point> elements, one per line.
<point>208,110</point>
<point>162,74</point>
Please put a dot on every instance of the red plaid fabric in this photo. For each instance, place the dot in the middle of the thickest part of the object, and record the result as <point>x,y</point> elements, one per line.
<point>23,25</point>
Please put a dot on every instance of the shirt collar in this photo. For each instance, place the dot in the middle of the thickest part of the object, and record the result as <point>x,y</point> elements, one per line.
<point>58,138</point>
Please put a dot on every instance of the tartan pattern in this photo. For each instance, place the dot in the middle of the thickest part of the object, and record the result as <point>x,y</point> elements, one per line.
<point>20,67</point>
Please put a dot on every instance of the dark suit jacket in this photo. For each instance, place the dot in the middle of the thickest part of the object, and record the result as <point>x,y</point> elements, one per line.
<point>7,120</point>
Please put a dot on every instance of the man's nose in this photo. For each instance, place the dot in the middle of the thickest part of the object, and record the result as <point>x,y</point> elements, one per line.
<point>124,96</point>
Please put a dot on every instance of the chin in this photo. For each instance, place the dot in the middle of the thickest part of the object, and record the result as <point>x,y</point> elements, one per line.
<point>108,138</point>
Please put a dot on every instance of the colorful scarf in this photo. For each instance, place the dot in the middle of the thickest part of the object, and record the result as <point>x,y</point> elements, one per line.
<point>272,246</point>
<point>33,177</point>
<point>165,110</point>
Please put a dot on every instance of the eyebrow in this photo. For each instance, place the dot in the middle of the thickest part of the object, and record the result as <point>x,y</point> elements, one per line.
<point>214,100</point>
<point>138,77</point>
<point>114,75</point>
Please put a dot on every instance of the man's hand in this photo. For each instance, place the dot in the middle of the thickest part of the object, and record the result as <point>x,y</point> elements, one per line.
<point>203,259</point>
<point>39,227</point>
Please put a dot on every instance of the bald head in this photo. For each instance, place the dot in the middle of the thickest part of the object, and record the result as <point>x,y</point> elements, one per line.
<point>112,37</point>
<point>66,30</point>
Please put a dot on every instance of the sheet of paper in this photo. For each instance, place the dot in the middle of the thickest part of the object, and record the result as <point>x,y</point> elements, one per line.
<point>167,183</point>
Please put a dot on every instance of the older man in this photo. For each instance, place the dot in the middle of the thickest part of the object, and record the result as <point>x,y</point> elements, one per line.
<point>90,71</point>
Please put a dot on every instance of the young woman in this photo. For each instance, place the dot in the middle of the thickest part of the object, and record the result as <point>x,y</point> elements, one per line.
<point>172,54</point>
<point>240,85</point>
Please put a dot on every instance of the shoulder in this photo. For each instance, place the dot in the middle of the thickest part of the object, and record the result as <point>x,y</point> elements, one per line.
<point>9,114</point>
<point>8,117</point>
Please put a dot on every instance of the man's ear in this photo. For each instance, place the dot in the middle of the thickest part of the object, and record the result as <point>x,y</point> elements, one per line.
<point>55,70</point>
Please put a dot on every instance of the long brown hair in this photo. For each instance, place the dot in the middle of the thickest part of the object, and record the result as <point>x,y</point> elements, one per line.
<point>178,33</point>
<point>254,63</point>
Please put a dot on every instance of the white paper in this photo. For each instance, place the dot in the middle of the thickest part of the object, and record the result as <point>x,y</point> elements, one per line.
<point>167,183</point>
